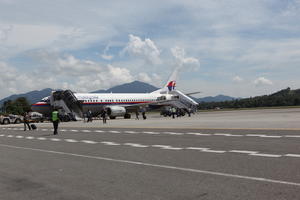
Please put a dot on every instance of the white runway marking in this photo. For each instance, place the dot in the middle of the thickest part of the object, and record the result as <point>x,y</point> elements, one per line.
<point>89,142</point>
<point>271,136</point>
<point>161,146</point>
<point>292,136</point>
<point>242,151</point>
<point>293,155</point>
<point>131,132</point>
<point>114,131</point>
<point>222,134</point>
<point>111,143</point>
<point>55,139</point>
<point>196,148</point>
<point>136,145</point>
<point>172,148</point>
<point>173,133</point>
<point>255,135</point>
<point>151,133</point>
<point>249,178</point>
<point>266,155</point>
<point>235,135</point>
<point>199,134</point>
<point>213,151</point>
<point>71,140</point>
<point>164,147</point>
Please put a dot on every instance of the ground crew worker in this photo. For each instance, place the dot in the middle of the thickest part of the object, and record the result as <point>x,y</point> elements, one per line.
<point>55,120</point>
<point>26,121</point>
<point>103,115</point>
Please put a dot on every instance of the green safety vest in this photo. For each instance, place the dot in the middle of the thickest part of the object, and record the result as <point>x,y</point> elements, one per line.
<point>54,116</point>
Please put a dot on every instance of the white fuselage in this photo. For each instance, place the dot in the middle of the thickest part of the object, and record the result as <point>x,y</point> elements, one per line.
<point>97,101</point>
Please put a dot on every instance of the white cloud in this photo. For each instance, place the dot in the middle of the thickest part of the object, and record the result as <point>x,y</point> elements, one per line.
<point>153,79</point>
<point>182,61</point>
<point>4,30</point>
<point>106,56</point>
<point>237,79</point>
<point>262,81</point>
<point>146,49</point>
<point>13,81</point>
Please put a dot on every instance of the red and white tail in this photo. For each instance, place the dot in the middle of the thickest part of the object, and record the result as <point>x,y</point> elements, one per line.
<point>171,84</point>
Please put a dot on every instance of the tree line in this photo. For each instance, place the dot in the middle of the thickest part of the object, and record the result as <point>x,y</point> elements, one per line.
<point>16,107</point>
<point>285,97</point>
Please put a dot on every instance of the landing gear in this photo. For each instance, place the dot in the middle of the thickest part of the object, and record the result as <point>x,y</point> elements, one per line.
<point>127,116</point>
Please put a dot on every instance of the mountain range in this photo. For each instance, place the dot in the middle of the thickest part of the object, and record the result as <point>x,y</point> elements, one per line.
<point>133,87</point>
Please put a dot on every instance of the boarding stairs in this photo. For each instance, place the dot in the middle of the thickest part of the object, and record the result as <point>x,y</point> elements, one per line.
<point>183,101</point>
<point>67,103</point>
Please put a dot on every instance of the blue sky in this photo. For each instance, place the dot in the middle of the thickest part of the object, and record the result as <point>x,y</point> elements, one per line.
<point>233,47</point>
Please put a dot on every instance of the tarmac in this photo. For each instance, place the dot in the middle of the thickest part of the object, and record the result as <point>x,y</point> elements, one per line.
<point>252,154</point>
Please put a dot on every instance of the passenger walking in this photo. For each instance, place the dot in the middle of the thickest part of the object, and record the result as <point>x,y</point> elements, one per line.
<point>189,111</point>
<point>103,115</point>
<point>55,121</point>
<point>26,121</point>
<point>89,116</point>
<point>137,114</point>
<point>173,112</point>
<point>144,113</point>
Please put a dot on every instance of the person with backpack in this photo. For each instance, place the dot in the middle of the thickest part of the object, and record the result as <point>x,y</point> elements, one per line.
<point>26,121</point>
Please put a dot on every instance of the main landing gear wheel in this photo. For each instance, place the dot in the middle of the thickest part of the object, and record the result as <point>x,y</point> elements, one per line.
<point>127,116</point>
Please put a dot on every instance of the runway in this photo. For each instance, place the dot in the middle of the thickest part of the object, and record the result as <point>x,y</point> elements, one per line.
<point>100,162</point>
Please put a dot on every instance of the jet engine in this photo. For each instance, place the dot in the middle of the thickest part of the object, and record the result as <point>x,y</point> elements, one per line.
<point>115,111</point>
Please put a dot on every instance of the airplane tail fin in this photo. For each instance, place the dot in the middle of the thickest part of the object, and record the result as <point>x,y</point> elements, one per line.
<point>171,84</point>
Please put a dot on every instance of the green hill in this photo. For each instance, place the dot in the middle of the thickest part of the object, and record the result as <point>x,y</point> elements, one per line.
<point>285,97</point>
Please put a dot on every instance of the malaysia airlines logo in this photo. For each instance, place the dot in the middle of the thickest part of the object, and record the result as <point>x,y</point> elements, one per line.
<point>171,85</point>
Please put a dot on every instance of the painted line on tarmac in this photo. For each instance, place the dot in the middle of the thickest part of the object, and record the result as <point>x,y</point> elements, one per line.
<point>243,151</point>
<point>136,145</point>
<point>205,128</point>
<point>89,142</point>
<point>293,155</point>
<point>266,155</point>
<point>163,147</point>
<point>198,171</point>
<point>175,133</point>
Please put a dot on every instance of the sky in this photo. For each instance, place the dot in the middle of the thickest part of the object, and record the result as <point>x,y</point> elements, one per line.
<point>239,48</point>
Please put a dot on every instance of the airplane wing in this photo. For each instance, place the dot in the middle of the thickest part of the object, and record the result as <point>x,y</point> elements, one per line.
<point>147,104</point>
<point>189,94</point>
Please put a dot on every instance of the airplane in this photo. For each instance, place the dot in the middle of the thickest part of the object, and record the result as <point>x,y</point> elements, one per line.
<point>116,104</point>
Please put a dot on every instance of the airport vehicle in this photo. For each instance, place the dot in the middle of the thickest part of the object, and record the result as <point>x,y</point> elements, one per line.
<point>116,104</point>
<point>36,117</point>
<point>10,119</point>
